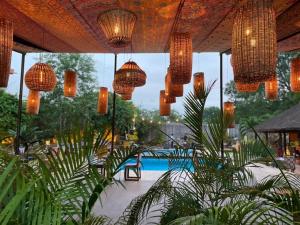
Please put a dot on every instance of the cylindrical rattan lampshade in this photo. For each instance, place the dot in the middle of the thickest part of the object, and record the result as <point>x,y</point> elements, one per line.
<point>199,84</point>
<point>271,89</point>
<point>70,83</point>
<point>6,45</point>
<point>164,107</point>
<point>254,43</point>
<point>130,74</point>
<point>171,89</point>
<point>181,57</point>
<point>168,98</point>
<point>33,102</point>
<point>40,77</point>
<point>295,75</point>
<point>117,25</point>
<point>126,96</point>
<point>122,89</point>
<point>229,113</point>
<point>247,88</point>
<point>103,101</point>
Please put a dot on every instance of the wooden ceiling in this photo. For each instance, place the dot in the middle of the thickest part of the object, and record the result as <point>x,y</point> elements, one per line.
<point>71,26</point>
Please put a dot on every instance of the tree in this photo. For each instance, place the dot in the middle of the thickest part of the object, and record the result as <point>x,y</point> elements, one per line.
<point>210,112</point>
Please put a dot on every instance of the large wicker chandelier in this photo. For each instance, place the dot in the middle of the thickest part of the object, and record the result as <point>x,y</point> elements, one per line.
<point>70,85</point>
<point>40,77</point>
<point>122,89</point>
<point>127,96</point>
<point>295,75</point>
<point>181,57</point>
<point>164,107</point>
<point>117,25</point>
<point>171,89</point>
<point>33,102</point>
<point>130,74</point>
<point>254,43</point>
<point>271,89</point>
<point>6,45</point>
<point>247,88</point>
<point>199,84</point>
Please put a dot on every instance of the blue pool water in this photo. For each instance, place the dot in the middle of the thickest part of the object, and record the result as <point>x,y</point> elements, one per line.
<point>155,164</point>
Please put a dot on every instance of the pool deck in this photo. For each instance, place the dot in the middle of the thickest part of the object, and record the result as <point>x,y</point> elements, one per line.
<point>117,197</point>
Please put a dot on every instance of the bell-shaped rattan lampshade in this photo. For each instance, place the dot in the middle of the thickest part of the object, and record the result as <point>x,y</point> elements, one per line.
<point>295,75</point>
<point>103,101</point>
<point>171,89</point>
<point>33,102</point>
<point>40,77</point>
<point>6,45</point>
<point>126,96</point>
<point>168,98</point>
<point>70,85</point>
<point>117,25</point>
<point>164,107</point>
<point>181,57</point>
<point>229,113</point>
<point>130,74</point>
<point>122,89</point>
<point>199,84</point>
<point>271,89</point>
<point>246,88</point>
<point>254,43</point>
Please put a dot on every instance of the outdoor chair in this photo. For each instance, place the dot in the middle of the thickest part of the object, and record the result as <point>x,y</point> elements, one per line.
<point>290,163</point>
<point>98,163</point>
<point>136,167</point>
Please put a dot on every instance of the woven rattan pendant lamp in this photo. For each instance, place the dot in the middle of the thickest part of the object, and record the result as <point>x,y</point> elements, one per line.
<point>130,74</point>
<point>6,45</point>
<point>126,97</point>
<point>181,57</point>
<point>40,77</point>
<point>199,84</point>
<point>229,113</point>
<point>70,83</point>
<point>103,101</point>
<point>164,107</point>
<point>295,75</point>
<point>271,89</point>
<point>171,89</point>
<point>117,25</point>
<point>254,43</point>
<point>33,102</point>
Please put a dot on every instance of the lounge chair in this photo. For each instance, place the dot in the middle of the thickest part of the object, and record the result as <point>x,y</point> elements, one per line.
<point>136,167</point>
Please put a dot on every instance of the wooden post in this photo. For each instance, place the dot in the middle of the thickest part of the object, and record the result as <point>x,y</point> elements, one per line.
<point>114,112</point>
<point>221,101</point>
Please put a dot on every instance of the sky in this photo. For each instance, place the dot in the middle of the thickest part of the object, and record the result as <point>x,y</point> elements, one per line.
<point>155,66</point>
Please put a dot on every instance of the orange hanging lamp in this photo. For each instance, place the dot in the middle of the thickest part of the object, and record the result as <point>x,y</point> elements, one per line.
<point>130,74</point>
<point>254,42</point>
<point>295,75</point>
<point>6,46</point>
<point>199,84</point>
<point>229,113</point>
<point>181,57</point>
<point>164,107</point>
<point>70,83</point>
<point>103,101</point>
<point>33,102</point>
<point>271,89</point>
<point>171,89</point>
<point>127,96</point>
<point>117,25</point>
<point>40,77</point>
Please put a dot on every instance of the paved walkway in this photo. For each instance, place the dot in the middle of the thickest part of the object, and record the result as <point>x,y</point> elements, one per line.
<point>117,197</point>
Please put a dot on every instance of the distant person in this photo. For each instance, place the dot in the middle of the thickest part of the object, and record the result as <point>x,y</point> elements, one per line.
<point>278,149</point>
